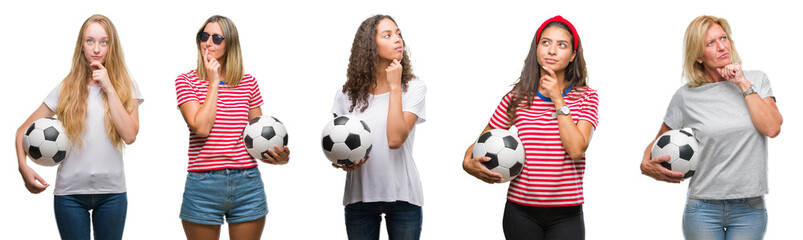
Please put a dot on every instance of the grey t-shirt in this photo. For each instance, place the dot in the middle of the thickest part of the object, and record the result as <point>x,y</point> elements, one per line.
<point>733,153</point>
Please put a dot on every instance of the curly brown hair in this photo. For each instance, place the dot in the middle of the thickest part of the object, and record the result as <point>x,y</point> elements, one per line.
<point>361,74</point>
<point>524,90</point>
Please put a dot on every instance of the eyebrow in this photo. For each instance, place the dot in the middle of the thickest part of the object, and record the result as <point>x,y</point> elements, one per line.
<point>397,30</point>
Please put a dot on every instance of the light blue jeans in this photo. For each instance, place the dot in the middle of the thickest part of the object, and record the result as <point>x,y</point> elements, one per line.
<point>732,219</point>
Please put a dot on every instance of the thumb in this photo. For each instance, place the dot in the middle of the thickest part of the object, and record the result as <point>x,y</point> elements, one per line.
<point>40,179</point>
<point>719,70</point>
<point>664,158</point>
<point>96,65</point>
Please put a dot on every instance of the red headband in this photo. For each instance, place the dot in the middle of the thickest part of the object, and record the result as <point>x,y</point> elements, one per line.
<point>558,18</point>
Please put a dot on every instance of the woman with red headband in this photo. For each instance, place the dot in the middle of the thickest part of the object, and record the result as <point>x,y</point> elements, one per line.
<point>555,113</point>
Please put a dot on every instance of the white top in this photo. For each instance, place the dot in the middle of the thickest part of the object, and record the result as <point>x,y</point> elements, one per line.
<point>96,168</point>
<point>389,175</point>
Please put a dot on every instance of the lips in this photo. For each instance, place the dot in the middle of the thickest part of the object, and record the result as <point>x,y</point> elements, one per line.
<point>550,60</point>
<point>725,55</point>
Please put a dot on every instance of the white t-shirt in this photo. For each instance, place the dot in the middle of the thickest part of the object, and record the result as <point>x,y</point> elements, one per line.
<point>96,168</point>
<point>389,175</point>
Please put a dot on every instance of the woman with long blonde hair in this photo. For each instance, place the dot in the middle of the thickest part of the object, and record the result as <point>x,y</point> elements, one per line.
<point>217,100</point>
<point>732,112</point>
<point>98,105</point>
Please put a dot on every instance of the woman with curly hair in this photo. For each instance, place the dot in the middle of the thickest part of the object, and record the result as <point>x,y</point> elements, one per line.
<point>382,90</point>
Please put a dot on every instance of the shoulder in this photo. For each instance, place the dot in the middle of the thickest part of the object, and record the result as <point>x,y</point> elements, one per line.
<point>416,85</point>
<point>755,76</point>
<point>187,77</point>
<point>583,92</point>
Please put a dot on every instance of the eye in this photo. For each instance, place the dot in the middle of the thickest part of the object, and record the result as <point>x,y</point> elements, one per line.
<point>711,43</point>
<point>90,41</point>
<point>386,35</point>
<point>562,45</point>
<point>545,43</point>
<point>104,42</point>
<point>723,38</point>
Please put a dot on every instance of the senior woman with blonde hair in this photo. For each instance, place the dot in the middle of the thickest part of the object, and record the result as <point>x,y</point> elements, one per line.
<point>732,112</point>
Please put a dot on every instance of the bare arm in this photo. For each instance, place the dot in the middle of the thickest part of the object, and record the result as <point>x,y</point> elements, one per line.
<point>127,124</point>
<point>399,123</point>
<point>33,182</point>
<point>201,117</point>
<point>574,137</point>
<point>763,112</point>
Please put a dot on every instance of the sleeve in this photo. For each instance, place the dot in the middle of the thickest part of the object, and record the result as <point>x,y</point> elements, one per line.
<point>674,114</point>
<point>255,99</point>
<point>52,99</point>
<point>500,118</point>
<point>588,109</point>
<point>185,92</point>
<point>414,101</point>
<point>762,82</point>
<point>338,105</point>
<point>136,93</point>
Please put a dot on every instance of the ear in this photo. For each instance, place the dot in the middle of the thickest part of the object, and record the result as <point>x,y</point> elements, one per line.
<point>699,60</point>
<point>574,54</point>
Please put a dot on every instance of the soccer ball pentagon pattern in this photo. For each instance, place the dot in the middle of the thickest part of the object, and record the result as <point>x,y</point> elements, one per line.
<point>46,142</point>
<point>262,133</point>
<point>505,150</point>
<point>682,147</point>
<point>346,140</point>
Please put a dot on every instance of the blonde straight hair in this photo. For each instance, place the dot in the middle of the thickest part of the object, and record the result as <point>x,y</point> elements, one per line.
<point>233,62</point>
<point>73,93</point>
<point>694,42</point>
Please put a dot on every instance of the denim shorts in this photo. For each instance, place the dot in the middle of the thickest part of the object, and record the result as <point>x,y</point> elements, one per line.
<point>237,194</point>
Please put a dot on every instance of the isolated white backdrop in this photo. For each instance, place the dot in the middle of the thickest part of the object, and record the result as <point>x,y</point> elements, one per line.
<point>468,53</point>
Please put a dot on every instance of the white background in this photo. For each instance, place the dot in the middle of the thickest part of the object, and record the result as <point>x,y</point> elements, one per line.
<point>468,53</point>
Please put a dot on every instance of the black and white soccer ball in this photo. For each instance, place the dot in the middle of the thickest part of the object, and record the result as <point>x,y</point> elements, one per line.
<point>505,150</point>
<point>46,142</point>
<point>683,149</point>
<point>262,133</point>
<point>346,140</point>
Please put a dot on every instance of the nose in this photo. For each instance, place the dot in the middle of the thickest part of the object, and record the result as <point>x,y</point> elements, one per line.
<point>552,49</point>
<point>721,44</point>
<point>96,48</point>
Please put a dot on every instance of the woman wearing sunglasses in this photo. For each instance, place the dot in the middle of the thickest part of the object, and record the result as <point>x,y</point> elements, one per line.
<point>97,104</point>
<point>556,113</point>
<point>217,100</point>
<point>382,90</point>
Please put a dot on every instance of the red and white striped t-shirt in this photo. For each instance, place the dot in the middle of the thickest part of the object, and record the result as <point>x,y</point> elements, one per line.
<point>550,177</point>
<point>224,147</point>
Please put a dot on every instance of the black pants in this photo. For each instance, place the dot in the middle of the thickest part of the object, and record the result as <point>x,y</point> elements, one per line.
<point>526,222</point>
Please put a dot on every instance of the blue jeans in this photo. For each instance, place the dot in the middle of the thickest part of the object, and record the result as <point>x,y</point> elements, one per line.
<point>108,215</point>
<point>236,194</point>
<point>403,220</point>
<point>731,219</point>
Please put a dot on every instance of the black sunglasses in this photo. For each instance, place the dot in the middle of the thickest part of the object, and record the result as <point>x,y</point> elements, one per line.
<point>204,36</point>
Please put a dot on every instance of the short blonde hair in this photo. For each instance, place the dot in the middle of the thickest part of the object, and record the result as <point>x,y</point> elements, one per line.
<point>694,45</point>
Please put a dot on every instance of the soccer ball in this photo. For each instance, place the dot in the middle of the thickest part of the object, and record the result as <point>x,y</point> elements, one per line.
<point>262,133</point>
<point>346,140</point>
<point>46,142</point>
<point>505,150</point>
<point>682,147</point>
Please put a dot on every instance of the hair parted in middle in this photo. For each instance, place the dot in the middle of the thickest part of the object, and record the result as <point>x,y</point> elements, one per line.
<point>232,63</point>
<point>694,46</point>
<point>72,107</point>
<point>361,74</point>
<point>524,90</point>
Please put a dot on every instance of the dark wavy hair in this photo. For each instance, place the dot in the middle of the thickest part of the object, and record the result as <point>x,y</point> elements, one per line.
<point>524,90</point>
<point>361,74</point>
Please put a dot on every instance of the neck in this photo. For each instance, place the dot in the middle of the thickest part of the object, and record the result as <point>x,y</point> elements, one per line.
<point>713,74</point>
<point>381,77</point>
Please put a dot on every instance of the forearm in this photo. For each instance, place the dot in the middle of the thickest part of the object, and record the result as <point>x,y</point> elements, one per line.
<point>20,149</point>
<point>125,122</point>
<point>396,126</point>
<point>765,117</point>
<point>572,139</point>
<point>204,119</point>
